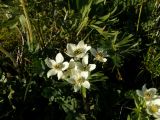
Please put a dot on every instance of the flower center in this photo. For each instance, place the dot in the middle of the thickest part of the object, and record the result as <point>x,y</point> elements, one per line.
<point>99,55</point>
<point>147,95</point>
<point>78,51</point>
<point>58,66</point>
<point>154,108</point>
<point>80,80</point>
<point>85,68</point>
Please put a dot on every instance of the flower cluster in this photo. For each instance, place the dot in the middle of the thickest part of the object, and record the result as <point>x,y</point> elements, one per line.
<point>78,69</point>
<point>152,101</point>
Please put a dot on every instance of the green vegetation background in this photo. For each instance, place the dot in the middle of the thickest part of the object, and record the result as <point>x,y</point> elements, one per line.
<point>31,30</point>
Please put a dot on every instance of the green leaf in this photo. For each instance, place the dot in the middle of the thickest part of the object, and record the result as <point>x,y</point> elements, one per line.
<point>106,17</point>
<point>98,1</point>
<point>8,55</point>
<point>22,20</point>
<point>126,40</point>
<point>10,96</point>
<point>117,60</point>
<point>98,77</point>
<point>10,23</point>
<point>97,22</point>
<point>128,117</point>
<point>86,9</point>
<point>83,24</point>
<point>105,34</point>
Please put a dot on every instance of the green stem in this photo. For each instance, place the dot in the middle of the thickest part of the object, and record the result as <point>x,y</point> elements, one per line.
<point>26,91</point>
<point>83,91</point>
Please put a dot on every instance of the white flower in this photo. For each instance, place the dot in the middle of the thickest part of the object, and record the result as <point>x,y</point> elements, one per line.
<point>78,80</point>
<point>85,67</point>
<point>153,108</point>
<point>147,94</point>
<point>72,66</point>
<point>77,51</point>
<point>57,66</point>
<point>99,54</point>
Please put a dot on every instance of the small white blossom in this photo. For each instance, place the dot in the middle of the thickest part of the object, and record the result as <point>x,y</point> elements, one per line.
<point>85,67</point>
<point>99,54</point>
<point>147,94</point>
<point>153,108</point>
<point>77,51</point>
<point>57,66</point>
<point>78,80</point>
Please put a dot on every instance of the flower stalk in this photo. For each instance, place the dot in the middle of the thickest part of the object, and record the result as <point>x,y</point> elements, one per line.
<point>83,92</point>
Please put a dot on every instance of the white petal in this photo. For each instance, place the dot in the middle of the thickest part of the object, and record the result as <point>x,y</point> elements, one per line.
<point>148,102</point>
<point>85,60</point>
<point>139,93</point>
<point>81,55</point>
<point>157,114</point>
<point>51,72</point>
<point>79,66</point>
<point>80,44</point>
<point>65,75</point>
<point>104,59</point>
<point>92,67</point>
<point>85,74</point>
<point>72,64</point>
<point>156,101</point>
<point>152,90</point>
<point>74,73</point>
<point>49,62</point>
<point>144,88</point>
<point>88,48</point>
<point>76,88</point>
<point>148,110</point>
<point>59,75</point>
<point>71,81</point>
<point>86,84</point>
<point>70,49</point>
<point>59,58</point>
<point>65,66</point>
<point>93,51</point>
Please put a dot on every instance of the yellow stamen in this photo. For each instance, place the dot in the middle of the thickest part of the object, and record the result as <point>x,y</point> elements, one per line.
<point>78,51</point>
<point>99,56</point>
<point>80,80</point>
<point>154,108</point>
<point>148,95</point>
<point>58,66</point>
